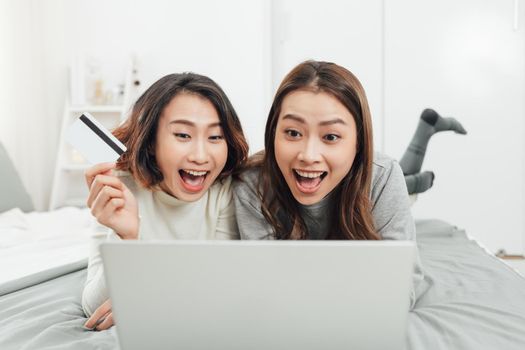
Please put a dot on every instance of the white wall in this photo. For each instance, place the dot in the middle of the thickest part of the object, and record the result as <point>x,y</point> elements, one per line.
<point>459,58</point>
<point>464,59</point>
<point>222,39</point>
<point>349,33</point>
<point>25,128</point>
<point>226,40</point>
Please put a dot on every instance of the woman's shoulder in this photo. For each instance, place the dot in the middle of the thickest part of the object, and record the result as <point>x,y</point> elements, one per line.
<point>247,181</point>
<point>386,170</point>
<point>220,192</point>
<point>221,186</point>
<point>249,176</point>
<point>383,161</point>
<point>383,168</point>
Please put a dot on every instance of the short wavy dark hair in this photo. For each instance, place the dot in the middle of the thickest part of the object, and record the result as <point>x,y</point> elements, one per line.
<point>139,131</point>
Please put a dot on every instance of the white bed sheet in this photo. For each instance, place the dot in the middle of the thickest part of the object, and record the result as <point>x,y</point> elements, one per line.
<point>36,242</point>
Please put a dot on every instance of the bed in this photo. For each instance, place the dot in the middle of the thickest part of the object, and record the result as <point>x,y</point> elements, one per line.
<point>470,300</point>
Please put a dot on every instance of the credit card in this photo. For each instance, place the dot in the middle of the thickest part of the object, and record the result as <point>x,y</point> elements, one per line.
<point>94,141</point>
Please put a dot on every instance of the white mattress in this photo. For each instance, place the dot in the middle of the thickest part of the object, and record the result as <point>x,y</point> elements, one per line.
<point>38,242</point>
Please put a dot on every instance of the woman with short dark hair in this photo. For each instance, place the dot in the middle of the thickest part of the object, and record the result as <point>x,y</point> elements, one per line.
<point>184,142</point>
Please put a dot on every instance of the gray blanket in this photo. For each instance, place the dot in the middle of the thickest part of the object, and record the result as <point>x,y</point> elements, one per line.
<point>470,300</point>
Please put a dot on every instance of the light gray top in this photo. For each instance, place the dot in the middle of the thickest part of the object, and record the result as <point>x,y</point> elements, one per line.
<point>390,208</point>
<point>164,217</point>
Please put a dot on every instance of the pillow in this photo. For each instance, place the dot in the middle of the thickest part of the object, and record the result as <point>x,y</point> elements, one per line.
<point>12,191</point>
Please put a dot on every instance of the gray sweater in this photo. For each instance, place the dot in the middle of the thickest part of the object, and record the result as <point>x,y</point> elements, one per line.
<point>390,208</point>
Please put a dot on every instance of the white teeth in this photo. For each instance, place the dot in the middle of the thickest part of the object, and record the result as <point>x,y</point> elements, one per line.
<point>195,173</point>
<point>309,174</point>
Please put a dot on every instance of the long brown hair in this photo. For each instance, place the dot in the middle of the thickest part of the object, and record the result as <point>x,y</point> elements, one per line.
<point>350,203</point>
<point>139,131</point>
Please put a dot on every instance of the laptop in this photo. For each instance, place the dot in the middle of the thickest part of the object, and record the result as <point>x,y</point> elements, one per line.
<point>259,295</point>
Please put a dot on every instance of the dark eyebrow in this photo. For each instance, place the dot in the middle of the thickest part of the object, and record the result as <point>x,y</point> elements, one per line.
<point>182,121</point>
<point>323,123</point>
<point>333,121</point>
<point>189,123</point>
<point>294,117</point>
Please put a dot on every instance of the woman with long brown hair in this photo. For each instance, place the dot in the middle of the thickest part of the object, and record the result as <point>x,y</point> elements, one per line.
<point>319,177</point>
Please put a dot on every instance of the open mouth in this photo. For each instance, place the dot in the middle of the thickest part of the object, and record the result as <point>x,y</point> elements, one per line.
<point>308,181</point>
<point>193,180</point>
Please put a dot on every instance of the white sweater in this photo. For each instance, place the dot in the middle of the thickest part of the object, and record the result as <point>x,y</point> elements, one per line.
<point>163,217</point>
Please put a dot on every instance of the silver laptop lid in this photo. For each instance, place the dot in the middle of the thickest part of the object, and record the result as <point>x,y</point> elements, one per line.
<point>260,294</point>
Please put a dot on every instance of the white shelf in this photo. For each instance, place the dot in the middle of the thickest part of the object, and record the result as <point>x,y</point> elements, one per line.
<point>69,187</point>
<point>97,109</point>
